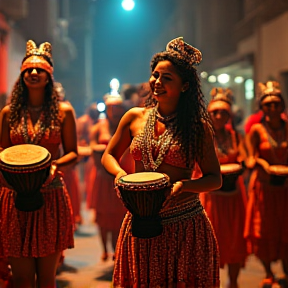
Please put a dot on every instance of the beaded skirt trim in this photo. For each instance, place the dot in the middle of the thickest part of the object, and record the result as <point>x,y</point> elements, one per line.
<point>179,213</point>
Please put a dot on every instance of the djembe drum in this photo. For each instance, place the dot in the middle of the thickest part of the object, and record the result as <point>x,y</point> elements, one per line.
<point>278,174</point>
<point>26,167</point>
<point>143,194</point>
<point>230,173</point>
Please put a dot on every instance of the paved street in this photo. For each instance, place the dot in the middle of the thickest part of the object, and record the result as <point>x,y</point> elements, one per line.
<point>92,272</point>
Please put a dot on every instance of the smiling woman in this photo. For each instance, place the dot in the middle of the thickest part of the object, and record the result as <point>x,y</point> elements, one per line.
<point>162,139</point>
<point>33,241</point>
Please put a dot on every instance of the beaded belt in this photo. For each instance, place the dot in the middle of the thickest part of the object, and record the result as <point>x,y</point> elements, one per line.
<point>181,212</point>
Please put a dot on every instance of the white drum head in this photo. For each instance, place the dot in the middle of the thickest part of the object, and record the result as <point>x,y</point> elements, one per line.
<point>142,177</point>
<point>24,154</point>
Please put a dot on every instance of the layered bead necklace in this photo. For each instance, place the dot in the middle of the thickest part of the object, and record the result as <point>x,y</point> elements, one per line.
<point>35,134</point>
<point>150,142</point>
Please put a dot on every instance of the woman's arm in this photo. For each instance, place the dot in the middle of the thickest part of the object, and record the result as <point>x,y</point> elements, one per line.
<point>252,141</point>
<point>117,146</point>
<point>211,176</point>
<point>68,135</point>
<point>5,141</point>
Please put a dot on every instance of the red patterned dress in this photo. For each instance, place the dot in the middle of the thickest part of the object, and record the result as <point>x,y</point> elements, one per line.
<point>184,255</point>
<point>226,210</point>
<point>266,225</point>
<point>44,231</point>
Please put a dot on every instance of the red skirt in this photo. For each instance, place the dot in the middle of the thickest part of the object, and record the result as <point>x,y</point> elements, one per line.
<point>184,255</point>
<point>266,223</point>
<point>226,210</point>
<point>39,233</point>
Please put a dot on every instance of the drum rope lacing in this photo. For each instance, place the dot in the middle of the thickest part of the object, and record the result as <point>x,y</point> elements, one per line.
<point>162,144</point>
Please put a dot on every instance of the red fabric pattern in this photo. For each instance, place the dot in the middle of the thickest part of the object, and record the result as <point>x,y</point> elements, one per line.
<point>143,263</point>
<point>266,222</point>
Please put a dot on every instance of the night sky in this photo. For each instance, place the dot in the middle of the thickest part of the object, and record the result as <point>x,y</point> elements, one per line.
<point>124,41</point>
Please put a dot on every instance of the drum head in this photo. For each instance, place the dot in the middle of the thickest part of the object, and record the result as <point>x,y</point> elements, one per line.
<point>99,148</point>
<point>84,151</point>
<point>24,155</point>
<point>142,177</point>
<point>279,170</point>
<point>231,168</point>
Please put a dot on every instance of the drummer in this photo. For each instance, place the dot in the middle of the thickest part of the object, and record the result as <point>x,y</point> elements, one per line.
<point>33,241</point>
<point>226,210</point>
<point>267,217</point>
<point>162,138</point>
<point>110,211</point>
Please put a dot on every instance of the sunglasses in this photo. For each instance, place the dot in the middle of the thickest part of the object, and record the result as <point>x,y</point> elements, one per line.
<point>38,70</point>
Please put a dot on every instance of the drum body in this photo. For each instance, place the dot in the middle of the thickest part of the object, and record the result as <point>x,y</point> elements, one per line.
<point>26,167</point>
<point>143,194</point>
<point>230,173</point>
<point>278,175</point>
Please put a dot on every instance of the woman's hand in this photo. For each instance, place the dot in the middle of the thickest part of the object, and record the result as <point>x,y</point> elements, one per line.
<point>173,191</point>
<point>52,174</point>
<point>250,162</point>
<point>119,175</point>
<point>176,188</point>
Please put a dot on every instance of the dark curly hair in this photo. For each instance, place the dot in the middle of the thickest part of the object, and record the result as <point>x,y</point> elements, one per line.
<point>19,99</point>
<point>192,116</point>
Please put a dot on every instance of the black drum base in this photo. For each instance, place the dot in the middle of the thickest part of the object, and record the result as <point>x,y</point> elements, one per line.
<point>277,180</point>
<point>146,227</point>
<point>29,203</point>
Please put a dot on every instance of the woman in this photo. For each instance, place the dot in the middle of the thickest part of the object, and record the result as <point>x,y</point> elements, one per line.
<point>110,211</point>
<point>226,206</point>
<point>162,138</point>
<point>268,191</point>
<point>33,241</point>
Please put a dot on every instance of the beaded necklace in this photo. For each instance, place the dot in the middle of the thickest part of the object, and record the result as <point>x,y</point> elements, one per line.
<point>33,135</point>
<point>150,143</point>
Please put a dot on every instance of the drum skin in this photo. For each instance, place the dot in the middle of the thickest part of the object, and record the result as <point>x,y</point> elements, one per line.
<point>26,167</point>
<point>143,194</point>
<point>278,174</point>
<point>230,173</point>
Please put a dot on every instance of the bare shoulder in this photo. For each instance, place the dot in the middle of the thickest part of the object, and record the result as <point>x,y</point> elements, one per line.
<point>5,112</point>
<point>65,106</point>
<point>137,111</point>
<point>134,114</point>
<point>256,128</point>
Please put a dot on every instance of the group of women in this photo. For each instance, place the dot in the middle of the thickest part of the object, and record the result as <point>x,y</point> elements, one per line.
<point>206,222</point>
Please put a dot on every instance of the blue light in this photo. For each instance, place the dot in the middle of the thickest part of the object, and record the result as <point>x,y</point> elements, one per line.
<point>128,5</point>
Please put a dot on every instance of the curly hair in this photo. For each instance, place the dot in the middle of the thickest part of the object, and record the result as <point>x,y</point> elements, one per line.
<point>192,116</point>
<point>19,99</point>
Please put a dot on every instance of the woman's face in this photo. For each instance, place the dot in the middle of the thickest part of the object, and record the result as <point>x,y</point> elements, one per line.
<point>219,113</point>
<point>114,112</point>
<point>272,106</point>
<point>35,78</point>
<point>166,84</point>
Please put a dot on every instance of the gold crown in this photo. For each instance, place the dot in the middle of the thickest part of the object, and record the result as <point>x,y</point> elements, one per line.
<point>186,52</point>
<point>44,49</point>
<point>34,57</point>
<point>222,94</point>
<point>266,89</point>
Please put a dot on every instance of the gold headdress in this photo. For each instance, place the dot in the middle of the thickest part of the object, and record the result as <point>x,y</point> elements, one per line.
<point>34,57</point>
<point>185,51</point>
<point>268,89</point>
<point>224,95</point>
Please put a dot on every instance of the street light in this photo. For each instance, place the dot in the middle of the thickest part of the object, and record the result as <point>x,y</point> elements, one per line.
<point>128,5</point>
